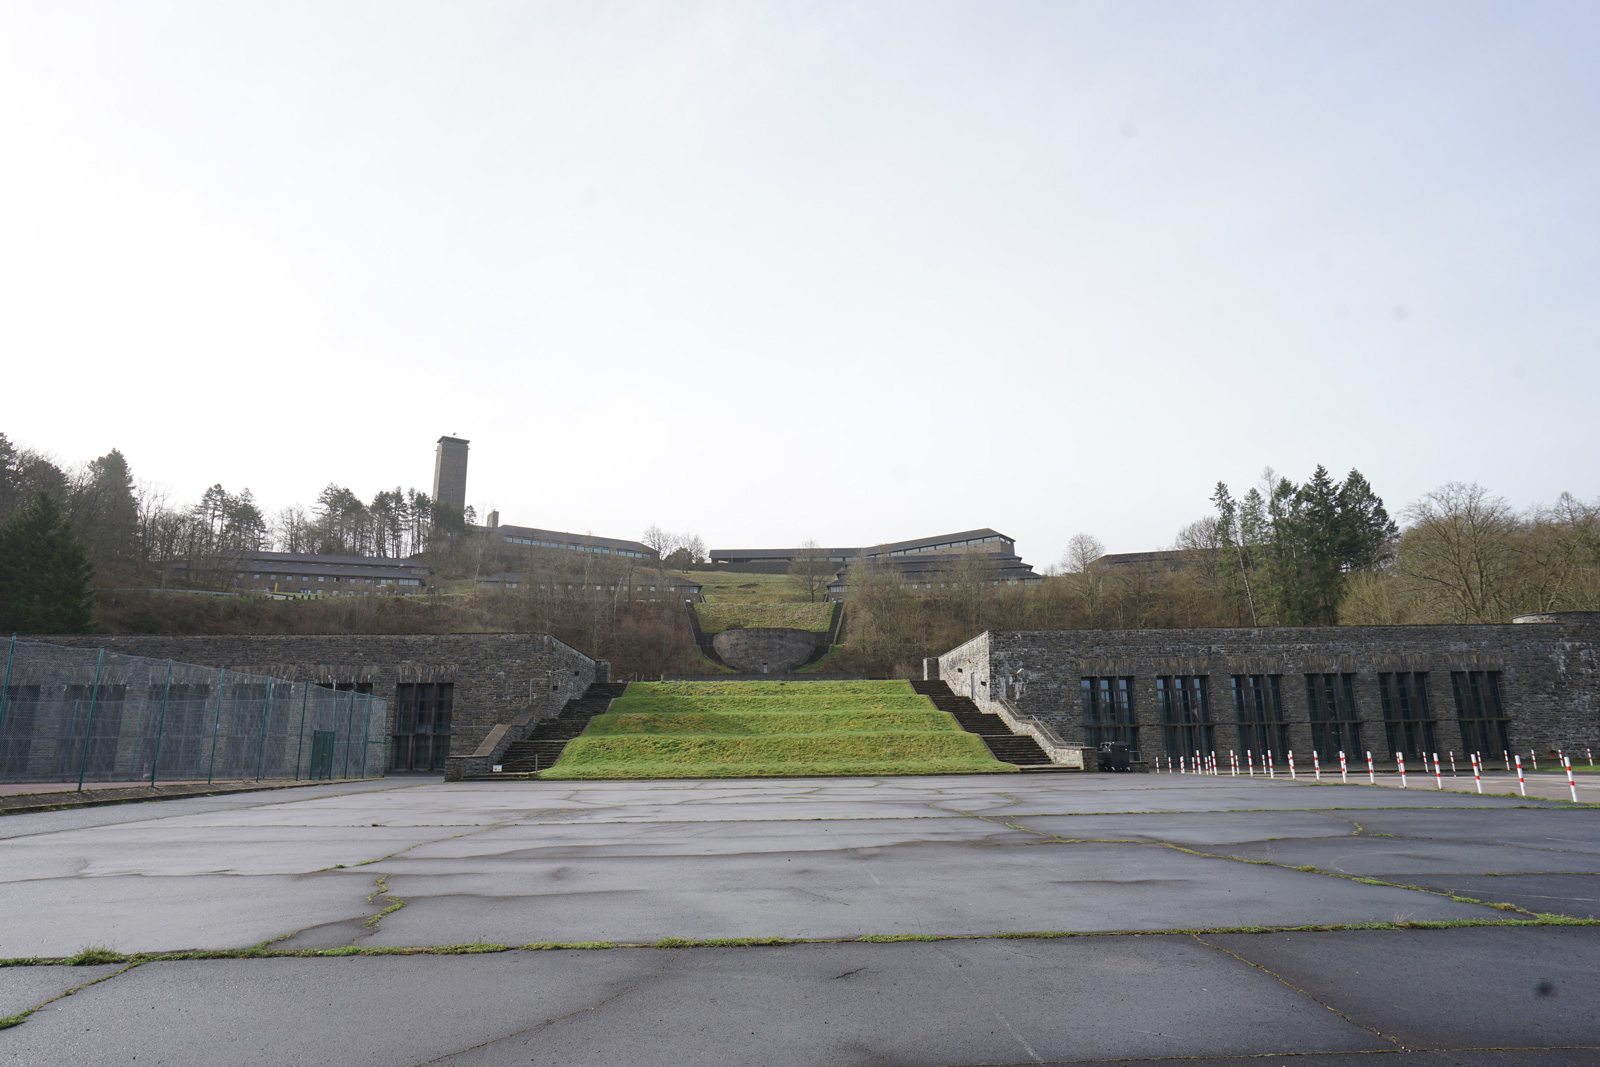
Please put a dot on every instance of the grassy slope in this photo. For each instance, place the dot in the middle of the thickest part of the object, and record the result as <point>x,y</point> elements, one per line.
<point>722,587</point>
<point>716,617</point>
<point>771,729</point>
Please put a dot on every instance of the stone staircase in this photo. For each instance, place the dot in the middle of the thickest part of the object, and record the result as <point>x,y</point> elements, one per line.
<point>1007,747</point>
<point>541,748</point>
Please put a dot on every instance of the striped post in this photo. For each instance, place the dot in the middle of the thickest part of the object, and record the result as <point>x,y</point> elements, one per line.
<point>1452,764</point>
<point>1438,775</point>
<point>1522,783</point>
<point>1292,776</point>
<point>1233,762</point>
<point>1400,758</point>
<point>1507,756</point>
<point>1477,772</point>
<point>1250,762</point>
<point>1316,765</point>
<point>1344,769</point>
<point>1572,783</point>
<point>1533,757</point>
<point>1272,771</point>
<point>1371,776</point>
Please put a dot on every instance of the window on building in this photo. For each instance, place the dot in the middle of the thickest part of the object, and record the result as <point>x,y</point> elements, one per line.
<point>1331,699</point>
<point>1185,715</point>
<point>1258,707</point>
<point>422,713</point>
<point>16,730</point>
<point>1481,711</point>
<point>1407,716</point>
<point>96,713</point>
<point>1108,712</point>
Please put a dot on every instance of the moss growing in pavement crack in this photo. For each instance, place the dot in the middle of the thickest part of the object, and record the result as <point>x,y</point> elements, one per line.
<point>382,890</point>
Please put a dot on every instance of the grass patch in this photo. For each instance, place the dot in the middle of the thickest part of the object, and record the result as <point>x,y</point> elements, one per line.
<point>715,618</point>
<point>741,697</point>
<point>725,587</point>
<point>772,729</point>
<point>821,666</point>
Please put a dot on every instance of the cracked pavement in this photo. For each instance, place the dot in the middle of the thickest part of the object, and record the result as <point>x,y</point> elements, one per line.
<point>1142,886</point>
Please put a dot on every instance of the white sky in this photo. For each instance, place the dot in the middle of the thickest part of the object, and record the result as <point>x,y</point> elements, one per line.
<point>770,271</point>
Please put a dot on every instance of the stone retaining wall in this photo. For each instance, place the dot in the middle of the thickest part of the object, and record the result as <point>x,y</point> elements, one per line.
<point>496,677</point>
<point>1549,674</point>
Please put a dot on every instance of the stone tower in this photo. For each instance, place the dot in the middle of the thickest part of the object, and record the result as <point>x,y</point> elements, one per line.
<point>450,475</point>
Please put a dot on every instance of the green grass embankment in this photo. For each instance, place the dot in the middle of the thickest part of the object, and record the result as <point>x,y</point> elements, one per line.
<point>754,729</point>
<point>715,617</point>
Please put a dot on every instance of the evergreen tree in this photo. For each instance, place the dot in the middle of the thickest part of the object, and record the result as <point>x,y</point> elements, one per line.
<point>45,574</point>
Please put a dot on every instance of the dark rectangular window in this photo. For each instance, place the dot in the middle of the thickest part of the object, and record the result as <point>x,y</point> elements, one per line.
<point>1481,712</point>
<point>1108,712</point>
<point>422,725</point>
<point>185,728</point>
<point>1331,699</point>
<point>1258,707</point>
<point>1407,715</point>
<point>83,703</point>
<point>16,728</point>
<point>1185,715</point>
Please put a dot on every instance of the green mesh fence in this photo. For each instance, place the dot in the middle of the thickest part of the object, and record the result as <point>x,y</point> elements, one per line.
<point>75,715</point>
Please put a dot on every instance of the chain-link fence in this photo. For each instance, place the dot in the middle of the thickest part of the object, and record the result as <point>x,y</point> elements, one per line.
<point>76,715</point>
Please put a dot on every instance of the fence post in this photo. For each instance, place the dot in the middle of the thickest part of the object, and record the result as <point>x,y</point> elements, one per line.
<point>305,692</point>
<point>88,732</point>
<point>217,722</point>
<point>349,724</point>
<point>366,735</point>
<point>5,690</point>
<point>161,723</point>
<point>261,748</point>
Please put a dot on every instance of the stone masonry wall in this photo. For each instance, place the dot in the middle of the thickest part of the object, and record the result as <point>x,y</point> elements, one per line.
<point>494,675</point>
<point>1550,674</point>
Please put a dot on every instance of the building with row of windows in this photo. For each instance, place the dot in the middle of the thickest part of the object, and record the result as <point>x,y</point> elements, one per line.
<point>1261,693</point>
<point>302,573</point>
<point>926,563</point>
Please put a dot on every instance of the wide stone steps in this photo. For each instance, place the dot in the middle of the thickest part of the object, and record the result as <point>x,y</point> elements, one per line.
<point>541,748</point>
<point>1006,746</point>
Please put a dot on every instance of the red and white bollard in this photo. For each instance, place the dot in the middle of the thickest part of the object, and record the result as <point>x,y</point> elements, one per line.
<point>1572,783</point>
<point>1438,775</point>
<point>1400,758</point>
<point>1534,758</point>
<point>1452,764</point>
<point>1272,770</point>
<point>1344,768</point>
<point>1216,769</point>
<point>1316,766</point>
<point>1371,774</point>
<point>1250,762</point>
<point>1522,783</point>
<point>1233,762</point>
<point>1292,776</point>
<point>1477,776</point>
<point>1590,753</point>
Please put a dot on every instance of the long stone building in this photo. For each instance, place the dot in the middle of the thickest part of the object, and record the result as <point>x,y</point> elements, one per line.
<point>1532,684</point>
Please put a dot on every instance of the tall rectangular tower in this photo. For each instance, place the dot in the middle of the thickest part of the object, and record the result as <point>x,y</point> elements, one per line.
<point>450,475</point>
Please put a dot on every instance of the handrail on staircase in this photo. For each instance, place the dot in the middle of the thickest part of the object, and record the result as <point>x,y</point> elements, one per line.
<point>1060,751</point>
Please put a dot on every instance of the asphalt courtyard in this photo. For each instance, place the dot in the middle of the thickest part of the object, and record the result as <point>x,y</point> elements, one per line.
<point>942,920</point>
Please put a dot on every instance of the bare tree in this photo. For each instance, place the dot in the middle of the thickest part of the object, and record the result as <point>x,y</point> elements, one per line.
<point>1458,553</point>
<point>811,570</point>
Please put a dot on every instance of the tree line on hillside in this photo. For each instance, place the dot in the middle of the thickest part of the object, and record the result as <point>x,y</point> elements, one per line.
<point>133,532</point>
<point>1319,553</point>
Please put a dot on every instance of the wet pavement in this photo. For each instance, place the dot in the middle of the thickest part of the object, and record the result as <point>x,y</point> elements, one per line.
<point>1075,917</point>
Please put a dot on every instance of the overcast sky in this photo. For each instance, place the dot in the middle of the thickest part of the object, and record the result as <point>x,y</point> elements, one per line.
<point>771,271</point>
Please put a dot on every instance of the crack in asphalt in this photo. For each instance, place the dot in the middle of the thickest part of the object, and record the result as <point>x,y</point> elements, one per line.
<point>1303,992</point>
<point>624,991</point>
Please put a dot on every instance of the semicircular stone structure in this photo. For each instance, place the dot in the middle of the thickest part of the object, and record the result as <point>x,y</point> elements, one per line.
<point>766,649</point>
